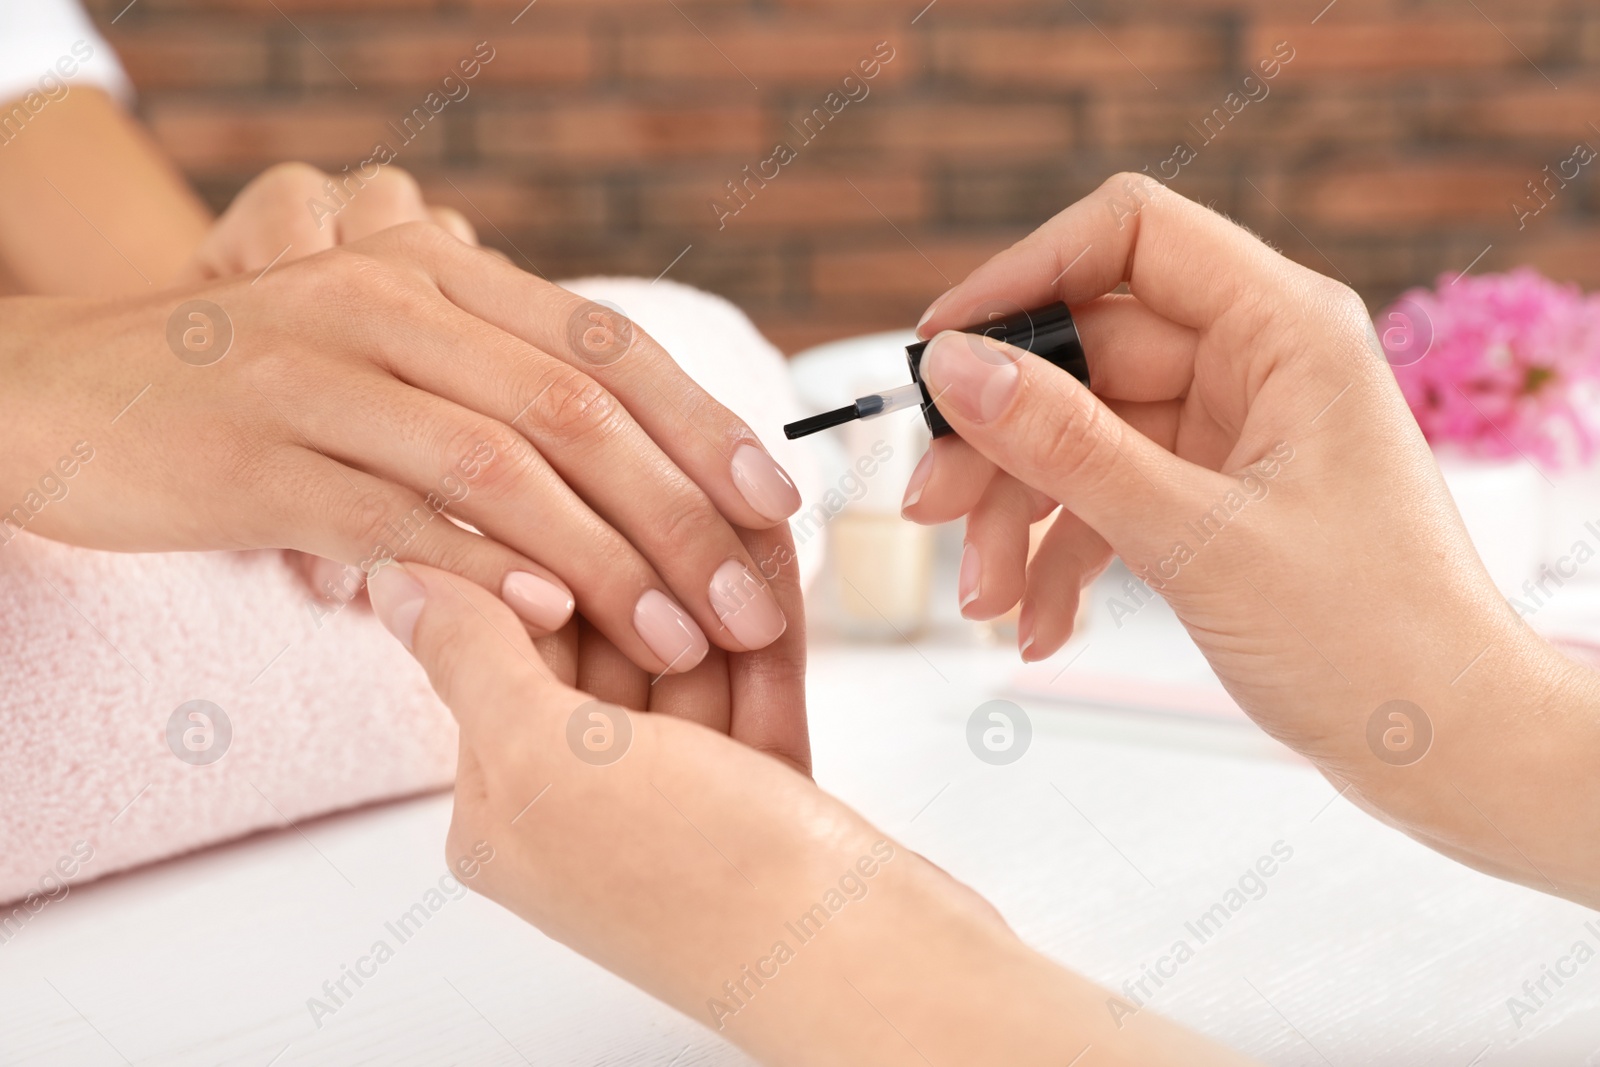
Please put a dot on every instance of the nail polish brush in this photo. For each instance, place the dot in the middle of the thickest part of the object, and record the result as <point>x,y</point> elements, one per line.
<point>1047,332</point>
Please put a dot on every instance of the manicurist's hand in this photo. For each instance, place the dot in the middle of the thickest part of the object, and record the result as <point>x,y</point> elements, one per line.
<point>1246,452</point>
<point>717,878</point>
<point>352,403</point>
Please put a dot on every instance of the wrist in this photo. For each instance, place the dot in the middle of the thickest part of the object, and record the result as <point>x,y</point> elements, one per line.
<point>1494,765</point>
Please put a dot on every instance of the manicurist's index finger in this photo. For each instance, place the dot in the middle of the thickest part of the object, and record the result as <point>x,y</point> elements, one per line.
<point>1183,261</point>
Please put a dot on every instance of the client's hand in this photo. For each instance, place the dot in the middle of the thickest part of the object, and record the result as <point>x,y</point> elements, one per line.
<point>1247,453</point>
<point>293,210</point>
<point>288,212</point>
<point>720,880</point>
<point>351,403</point>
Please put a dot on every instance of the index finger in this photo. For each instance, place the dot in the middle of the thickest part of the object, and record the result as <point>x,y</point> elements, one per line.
<point>710,444</point>
<point>1183,261</point>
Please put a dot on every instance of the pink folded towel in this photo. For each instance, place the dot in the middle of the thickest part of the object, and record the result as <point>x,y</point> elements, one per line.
<point>107,762</point>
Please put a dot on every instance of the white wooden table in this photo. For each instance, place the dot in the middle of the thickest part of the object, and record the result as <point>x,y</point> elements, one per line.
<point>1099,845</point>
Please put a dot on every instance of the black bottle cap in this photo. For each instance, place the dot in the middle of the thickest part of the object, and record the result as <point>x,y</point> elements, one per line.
<point>1047,332</point>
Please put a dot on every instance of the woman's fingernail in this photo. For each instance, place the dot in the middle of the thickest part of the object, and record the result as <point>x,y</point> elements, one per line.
<point>971,576</point>
<point>397,599</point>
<point>1025,634</point>
<point>764,484</point>
<point>745,606</point>
<point>669,632</point>
<point>919,479</point>
<point>933,307</point>
<point>970,374</point>
<point>538,600</point>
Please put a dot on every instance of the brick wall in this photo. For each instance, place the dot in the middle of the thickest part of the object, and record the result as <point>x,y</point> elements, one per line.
<point>1391,147</point>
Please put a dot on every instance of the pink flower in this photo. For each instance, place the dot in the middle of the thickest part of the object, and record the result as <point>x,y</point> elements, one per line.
<point>1500,365</point>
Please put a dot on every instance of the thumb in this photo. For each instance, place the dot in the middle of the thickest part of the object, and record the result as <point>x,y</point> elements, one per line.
<point>1046,429</point>
<point>477,653</point>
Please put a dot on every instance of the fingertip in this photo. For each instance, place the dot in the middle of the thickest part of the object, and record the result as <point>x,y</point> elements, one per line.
<point>972,376</point>
<point>454,223</point>
<point>1025,632</point>
<point>917,482</point>
<point>927,316</point>
<point>765,485</point>
<point>669,633</point>
<point>541,601</point>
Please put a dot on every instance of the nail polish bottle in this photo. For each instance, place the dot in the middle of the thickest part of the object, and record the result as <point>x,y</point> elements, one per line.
<point>880,575</point>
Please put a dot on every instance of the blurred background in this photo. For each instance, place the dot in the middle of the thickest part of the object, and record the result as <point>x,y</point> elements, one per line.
<point>1397,143</point>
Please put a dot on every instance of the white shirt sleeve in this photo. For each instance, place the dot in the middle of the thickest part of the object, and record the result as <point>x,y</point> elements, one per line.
<point>47,45</point>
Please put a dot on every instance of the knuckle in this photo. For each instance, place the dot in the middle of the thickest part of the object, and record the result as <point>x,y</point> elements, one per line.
<point>688,519</point>
<point>395,191</point>
<point>369,517</point>
<point>1133,182</point>
<point>489,455</point>
<point>417,237</point>
<point>360,286</point>
<point>292,179</point>
<point>573,405</point>
<point>453,550</point>
<point>1077,443</point>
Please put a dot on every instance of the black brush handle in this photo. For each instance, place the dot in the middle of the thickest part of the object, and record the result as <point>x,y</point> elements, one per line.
<point>1047,332</point>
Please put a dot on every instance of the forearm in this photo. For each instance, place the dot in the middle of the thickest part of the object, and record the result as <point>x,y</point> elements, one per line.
<point>90,206</point>
<point>732,888</point>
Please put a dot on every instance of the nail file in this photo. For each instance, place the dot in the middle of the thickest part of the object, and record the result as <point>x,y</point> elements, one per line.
<point>1047,332</point>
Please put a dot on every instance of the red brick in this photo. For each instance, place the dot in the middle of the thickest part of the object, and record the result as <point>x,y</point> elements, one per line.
<point>173,57</point>
<point>794,201</point>
<point>1565,253</point>
<point>1529,108</point>
<point>422,57</point>
<point>1075,56</point>
<point>621,132</point>
<point>1381,197</point>
<point>264,10</point>
<point>893,267</point>
<point>649,9</point>
<point>1287,116</point>
<point>771,53</point>
<point>208,138</point>
<point>1404,47</point>
<point>947,129</point>
<point>512,202</point>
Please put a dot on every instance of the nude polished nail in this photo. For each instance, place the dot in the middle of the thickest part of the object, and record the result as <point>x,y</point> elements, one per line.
<point>918,481</point>
<point>1026,635</point>
<point>539,601</point>
<point>746,606</point>
<point>971,375</point>
<point>669,632</point>
<point>932,310</point>
<point>397,600</point>
<point>969,583</point>
<point>764,484</point>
